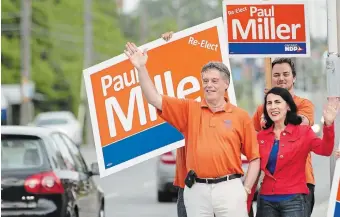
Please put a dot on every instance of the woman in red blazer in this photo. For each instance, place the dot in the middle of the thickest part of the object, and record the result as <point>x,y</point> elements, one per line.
<point>284,146</point>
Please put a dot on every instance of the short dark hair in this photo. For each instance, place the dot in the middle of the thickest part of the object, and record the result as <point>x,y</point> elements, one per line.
<point>291,117</point>
<point>289,61</point>
<point>221,67</point>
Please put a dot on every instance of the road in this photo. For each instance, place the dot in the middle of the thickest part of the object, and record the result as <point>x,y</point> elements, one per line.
<point>132,192</point>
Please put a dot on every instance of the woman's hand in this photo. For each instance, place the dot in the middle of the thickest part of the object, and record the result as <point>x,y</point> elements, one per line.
<point>330,111</point>
<point>337,154</point>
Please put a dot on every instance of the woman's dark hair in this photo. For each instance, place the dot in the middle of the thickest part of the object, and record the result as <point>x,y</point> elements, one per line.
<point>291,117</point>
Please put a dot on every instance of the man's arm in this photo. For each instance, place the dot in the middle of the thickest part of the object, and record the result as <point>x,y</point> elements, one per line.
<point>250,149</point>
<point>306,112</point>
<point>139,59</point>
<point>258,119</point>
<point>252,174</point>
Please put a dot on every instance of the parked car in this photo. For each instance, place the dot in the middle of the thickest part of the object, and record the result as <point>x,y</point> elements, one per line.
<point>166,166</point>
<point>43,173</point>
<point>64,121</point>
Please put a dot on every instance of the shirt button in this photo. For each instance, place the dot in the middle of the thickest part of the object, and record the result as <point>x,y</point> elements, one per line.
<point>281,156</point>
<point>283,145</point>
<point>262,141</point>
<point>284,134</point>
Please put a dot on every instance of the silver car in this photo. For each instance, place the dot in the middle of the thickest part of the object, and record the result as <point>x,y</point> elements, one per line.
<point>166,166</point>
<point>65,121</point>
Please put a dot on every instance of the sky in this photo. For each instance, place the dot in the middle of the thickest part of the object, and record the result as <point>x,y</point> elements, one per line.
<point>130,5</point>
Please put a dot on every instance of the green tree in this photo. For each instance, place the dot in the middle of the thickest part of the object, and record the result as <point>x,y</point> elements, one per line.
<point>57,46</point>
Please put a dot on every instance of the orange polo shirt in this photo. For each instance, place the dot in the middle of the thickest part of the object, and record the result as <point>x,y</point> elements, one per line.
<point>213,141</point>
<point>305,108</point>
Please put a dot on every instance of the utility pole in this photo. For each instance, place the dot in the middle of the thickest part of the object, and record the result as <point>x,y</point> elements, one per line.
<point>83,111</point>
<point>333,67</point>
<point>25,29</point>
<point>143,22</point>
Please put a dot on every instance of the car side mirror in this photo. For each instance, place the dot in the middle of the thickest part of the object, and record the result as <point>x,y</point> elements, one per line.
<point>95,169</point>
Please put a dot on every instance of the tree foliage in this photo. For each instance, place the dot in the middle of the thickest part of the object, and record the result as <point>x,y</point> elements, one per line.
<point>57,46</point>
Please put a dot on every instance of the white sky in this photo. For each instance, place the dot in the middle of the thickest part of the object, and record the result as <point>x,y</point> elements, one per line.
<point>130,5</point>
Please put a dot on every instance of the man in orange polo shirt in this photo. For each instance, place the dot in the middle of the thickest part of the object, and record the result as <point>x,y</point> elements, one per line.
<point>216,133</point>
<point>284,75</point>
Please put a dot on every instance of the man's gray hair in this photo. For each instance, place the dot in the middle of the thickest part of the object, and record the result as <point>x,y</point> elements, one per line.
<point>218,66</point>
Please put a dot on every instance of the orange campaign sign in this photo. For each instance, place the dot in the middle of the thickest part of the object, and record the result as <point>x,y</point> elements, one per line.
<point>126,129</point>
<point>334,199</point>
<point>267,28</point>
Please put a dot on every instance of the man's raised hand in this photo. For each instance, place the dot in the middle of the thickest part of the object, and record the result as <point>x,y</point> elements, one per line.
<point>137,58</point>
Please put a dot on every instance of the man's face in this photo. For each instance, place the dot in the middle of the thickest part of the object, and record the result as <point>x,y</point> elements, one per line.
<point>282,76</point>
<point>214,84</point>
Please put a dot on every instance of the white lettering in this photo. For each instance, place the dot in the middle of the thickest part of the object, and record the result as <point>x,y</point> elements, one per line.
<point>119,85</point>
<point>264,28</point>
<point>181,92</point>
<point>193,41</point>
<point>159,87</point>
<point>106,85</point>
<point>282,29</point>
<point>133,79</point>
<point>111,105</point>
<point>237,28</point>
<point>240,10</point>
<point>253,10</point>
<point>114,109</point>
<point>262,12</point>
<point>294,30</point>
<point>169,84</point>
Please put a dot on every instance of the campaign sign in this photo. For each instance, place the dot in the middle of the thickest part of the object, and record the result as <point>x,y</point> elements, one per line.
<point>258,28</point>
<point>126,129</point>
<point>334,199</point>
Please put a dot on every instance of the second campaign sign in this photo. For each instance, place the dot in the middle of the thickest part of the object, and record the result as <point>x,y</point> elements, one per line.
<point>126,129</point>
<point>257,28</point>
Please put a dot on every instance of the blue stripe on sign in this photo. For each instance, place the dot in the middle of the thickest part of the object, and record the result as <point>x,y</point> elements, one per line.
<point>265,48</point>
<point>139,144</point>
<point>337,209</point>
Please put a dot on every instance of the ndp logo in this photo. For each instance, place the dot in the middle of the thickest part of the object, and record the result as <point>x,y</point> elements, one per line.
<point>293,47</point>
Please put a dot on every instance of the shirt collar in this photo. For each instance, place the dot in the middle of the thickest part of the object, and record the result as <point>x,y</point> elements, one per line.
<point>227,108</point>
<point>288,129</point>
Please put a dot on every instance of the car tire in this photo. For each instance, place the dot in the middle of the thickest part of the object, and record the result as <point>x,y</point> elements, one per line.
<point>164,197</point>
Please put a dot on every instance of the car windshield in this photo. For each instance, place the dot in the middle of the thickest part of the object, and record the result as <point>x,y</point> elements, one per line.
<point>19,152</point>
<point>51,121</point>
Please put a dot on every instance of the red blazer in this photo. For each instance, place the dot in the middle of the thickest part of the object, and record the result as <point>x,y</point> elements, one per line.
<point>296,141</point>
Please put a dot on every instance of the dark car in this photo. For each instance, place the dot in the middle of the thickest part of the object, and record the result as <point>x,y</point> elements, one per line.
<point>44,174</point>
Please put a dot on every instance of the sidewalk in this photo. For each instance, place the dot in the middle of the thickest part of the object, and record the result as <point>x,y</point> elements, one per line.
<point>320,210</point>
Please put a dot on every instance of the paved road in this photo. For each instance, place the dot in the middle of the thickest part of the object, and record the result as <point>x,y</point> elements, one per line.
<point>132,192</point>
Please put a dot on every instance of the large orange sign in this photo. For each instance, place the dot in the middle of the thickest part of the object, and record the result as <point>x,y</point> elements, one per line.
<point>126,128</point>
